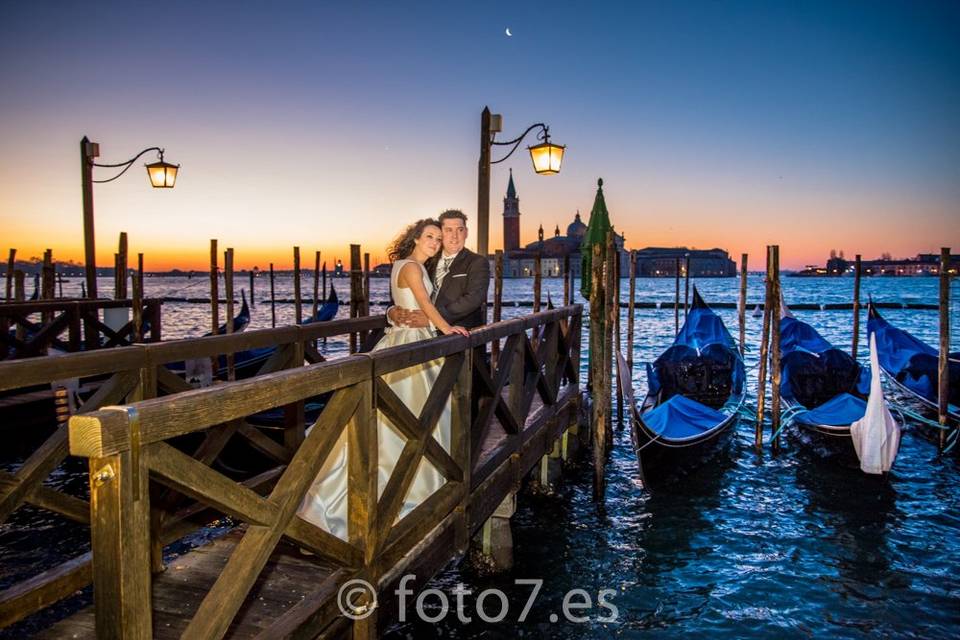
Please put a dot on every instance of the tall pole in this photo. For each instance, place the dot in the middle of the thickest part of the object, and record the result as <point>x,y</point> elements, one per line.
<point>742,310</point>
<point>630,308</point>
<point>764,343</point>
<point>88,151</point>
<point>856,307</point>
<point>214,292</point>
<point>676,299</point>
<point>686,286</point>
<point>943,389</point>
<point>483,186</point>
<point>775,349</point>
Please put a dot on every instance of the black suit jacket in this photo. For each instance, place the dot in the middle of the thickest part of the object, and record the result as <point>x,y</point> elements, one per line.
<point>462,299</point>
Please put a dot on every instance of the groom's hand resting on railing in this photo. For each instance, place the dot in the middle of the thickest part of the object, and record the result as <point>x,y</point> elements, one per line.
<point>407,318</point>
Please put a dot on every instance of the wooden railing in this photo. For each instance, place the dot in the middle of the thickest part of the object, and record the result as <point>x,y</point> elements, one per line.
<point>21,337</point>
<point>128,374</point>
<point>132,460</point>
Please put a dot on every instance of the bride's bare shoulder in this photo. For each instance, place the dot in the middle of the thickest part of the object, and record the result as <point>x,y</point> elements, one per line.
<point>410,271</point>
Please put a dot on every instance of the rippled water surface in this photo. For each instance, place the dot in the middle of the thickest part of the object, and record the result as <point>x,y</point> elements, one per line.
<point>748,546</point>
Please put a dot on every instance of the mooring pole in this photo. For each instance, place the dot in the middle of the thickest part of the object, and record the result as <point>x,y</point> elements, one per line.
<point>676,300</point>
<point>856,307</point>
<point>599,418</point>
<point>497,303</point>
<point>614,330</point>
<point>297,300</point>
<point>356,290</point>
<point>630,308</point>
<point>610,321</point>
<point>366,285</point>
<point>316,284</point>
<point>537,282</point>
<point>567,288</point>
<point>943,369</point>
<point>228,290</point>
<point>686,286</point>
<point>253,297</point>
<point>11,264</point>
<point>742,309</point>
<point>121,274</point>
<point>775,347</point>
<point>764,342</point>
<point>214,291</point>
<point>273,300</point>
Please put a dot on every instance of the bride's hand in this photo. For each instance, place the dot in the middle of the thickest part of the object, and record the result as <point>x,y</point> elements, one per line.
<point>448,330</point>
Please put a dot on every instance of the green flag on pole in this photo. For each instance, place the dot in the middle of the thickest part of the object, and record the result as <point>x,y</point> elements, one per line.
<point>596,234</point>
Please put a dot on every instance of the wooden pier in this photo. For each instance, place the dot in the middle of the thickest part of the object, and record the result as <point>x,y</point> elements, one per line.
<point>153,478</point>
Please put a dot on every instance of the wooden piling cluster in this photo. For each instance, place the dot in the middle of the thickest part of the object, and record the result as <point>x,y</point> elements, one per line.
<point>770,351</point>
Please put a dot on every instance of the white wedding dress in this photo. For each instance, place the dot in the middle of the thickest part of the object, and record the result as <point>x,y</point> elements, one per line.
<point>326,501</point>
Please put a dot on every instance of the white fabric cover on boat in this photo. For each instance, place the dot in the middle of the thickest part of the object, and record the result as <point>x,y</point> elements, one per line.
<point>876,436</point>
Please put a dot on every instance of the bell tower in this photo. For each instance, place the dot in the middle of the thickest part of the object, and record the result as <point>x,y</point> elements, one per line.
<point>511,218</point>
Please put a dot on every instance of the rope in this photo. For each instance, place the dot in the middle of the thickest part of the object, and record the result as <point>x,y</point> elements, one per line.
<point>903,411</point>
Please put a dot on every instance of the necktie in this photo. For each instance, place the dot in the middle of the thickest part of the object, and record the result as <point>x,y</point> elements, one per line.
<point>442,268</point>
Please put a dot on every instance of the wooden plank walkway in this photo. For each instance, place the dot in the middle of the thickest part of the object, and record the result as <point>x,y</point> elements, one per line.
<point>254,582</point>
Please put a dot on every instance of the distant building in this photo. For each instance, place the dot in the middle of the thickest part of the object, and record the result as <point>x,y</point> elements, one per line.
<point>661,262</point>
<point>518,262</point>
<point>924,264</point>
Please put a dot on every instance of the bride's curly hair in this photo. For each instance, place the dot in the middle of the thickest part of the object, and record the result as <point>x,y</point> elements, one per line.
<point>404,243</point>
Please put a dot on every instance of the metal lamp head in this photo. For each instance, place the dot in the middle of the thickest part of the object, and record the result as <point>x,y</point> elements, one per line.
<point>163,175</point>
<point>546,156</point>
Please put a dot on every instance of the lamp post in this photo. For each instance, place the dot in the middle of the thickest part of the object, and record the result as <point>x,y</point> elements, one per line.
<point>546,158</point>
<point>163,175</point>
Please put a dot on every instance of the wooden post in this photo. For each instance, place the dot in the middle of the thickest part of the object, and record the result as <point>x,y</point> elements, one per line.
<point>316,285</point>
<point>122,267</point>
<point>297,300</point>
<point>599,419</point>
<point>11,264</point>
<point>273,300</point>
<point>943,369</point>
<point>88,151</point>
<point>497,302</point>
<point>366,285</point>
<point>856,306</point>
<point>567,285</point>
<point>136,304</point>
<point>686,286</point>
<point>676,300</point>
<point>140,273</point>
<point>59,275</point>
<point>764,342</point>
<point>19,295</point>
<point>323,280</point>
<point>228,287</point>
<point>537,282</point>
<point>483,185</point>
<point>611,329</point>
<point>116,276</point>
<point>47,284</point>
<point>775,350</point>
<point>630,309</point>
<point>253,300</point>
<point>120,541</point>
<point>742,307</point>
<point>214,291</point>
<point>356,291</point>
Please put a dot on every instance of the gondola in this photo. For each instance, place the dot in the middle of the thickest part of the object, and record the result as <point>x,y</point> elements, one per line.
<point>240,321</point>
<point>822,388</point>
<point>695,389</point>
<point>328,310</point>
<point>911,365</point>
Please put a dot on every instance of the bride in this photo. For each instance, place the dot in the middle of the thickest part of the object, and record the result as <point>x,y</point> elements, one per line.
<point>326,501</point>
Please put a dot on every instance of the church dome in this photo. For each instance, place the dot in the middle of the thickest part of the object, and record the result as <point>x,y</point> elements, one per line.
<point>576,229</point>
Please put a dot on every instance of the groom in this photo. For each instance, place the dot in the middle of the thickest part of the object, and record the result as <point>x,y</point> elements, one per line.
<point>460,280</point>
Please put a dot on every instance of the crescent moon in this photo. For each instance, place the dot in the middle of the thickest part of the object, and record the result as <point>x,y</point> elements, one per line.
<point>508,32</point>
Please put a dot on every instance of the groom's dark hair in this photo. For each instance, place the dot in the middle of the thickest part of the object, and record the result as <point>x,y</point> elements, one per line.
<point>449,214</point>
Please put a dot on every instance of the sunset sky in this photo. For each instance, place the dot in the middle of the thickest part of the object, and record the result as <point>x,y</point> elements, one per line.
<point>815,125</point>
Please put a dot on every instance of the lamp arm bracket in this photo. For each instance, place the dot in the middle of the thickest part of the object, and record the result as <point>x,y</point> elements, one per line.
<point>543,135</point>
<point>126,165</point>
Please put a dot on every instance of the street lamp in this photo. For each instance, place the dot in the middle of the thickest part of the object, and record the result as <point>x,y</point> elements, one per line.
<point>163,175</point>
<point>546,158</point>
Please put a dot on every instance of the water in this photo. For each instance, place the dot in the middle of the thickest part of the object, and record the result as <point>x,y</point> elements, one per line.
<point>751,546</point>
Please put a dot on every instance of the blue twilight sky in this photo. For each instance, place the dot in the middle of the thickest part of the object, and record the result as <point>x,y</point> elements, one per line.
<point>816,125</point>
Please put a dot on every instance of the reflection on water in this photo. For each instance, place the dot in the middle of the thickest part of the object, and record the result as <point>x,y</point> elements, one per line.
<point>749,546</point>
